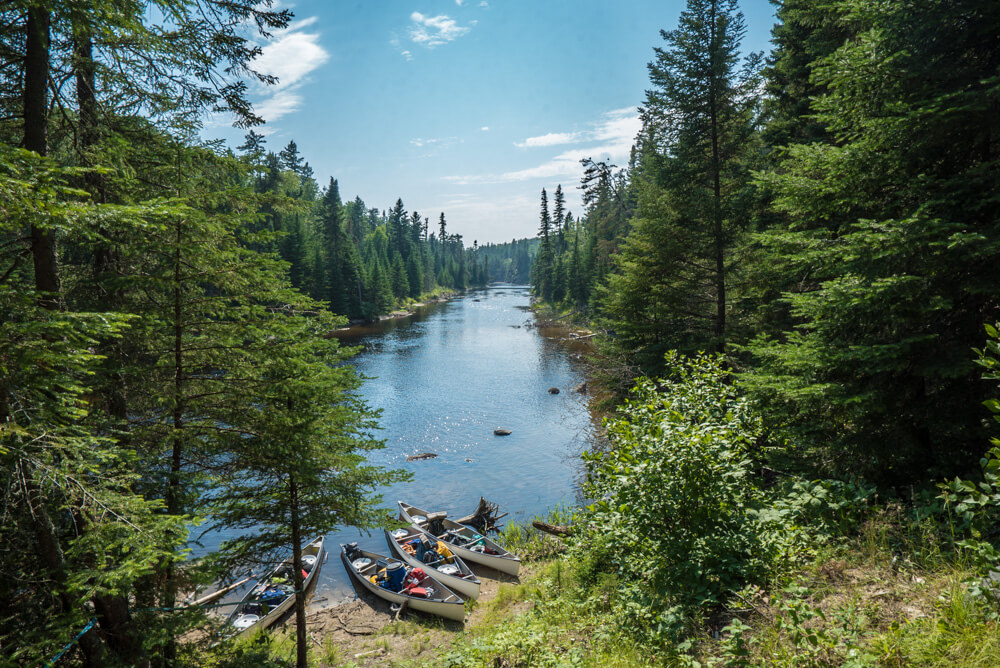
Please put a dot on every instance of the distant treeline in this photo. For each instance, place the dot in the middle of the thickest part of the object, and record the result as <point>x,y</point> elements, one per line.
<point>510,262</point>
<point>361,261</point>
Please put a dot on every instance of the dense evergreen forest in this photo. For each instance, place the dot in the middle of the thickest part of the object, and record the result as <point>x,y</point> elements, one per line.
<point>509,262</point>
<point>825,217</point>
<point>794,279</point>
<point>363,263</point>
<point>795,284</point>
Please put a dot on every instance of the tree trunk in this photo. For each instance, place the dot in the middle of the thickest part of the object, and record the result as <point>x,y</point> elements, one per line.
<point>51,555</point>
<point>112,611</point>
<point>43,252</point>
<point>720,266</point>
<point>36,104</point>
<point>300,595</point>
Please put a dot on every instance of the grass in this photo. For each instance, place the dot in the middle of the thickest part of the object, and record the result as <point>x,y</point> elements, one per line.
<point>890,594</point>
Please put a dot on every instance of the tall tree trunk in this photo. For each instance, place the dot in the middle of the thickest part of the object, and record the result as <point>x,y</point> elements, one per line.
<point>300,595</point>
<point>174,482</point>
<point>36,104</point>
<point>43,252</point>
<point>112,611</point>
<point>720,264</point>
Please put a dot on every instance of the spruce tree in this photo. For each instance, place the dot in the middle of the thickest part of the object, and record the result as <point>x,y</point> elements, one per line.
<point>893,235</point>
<point>671,287</point>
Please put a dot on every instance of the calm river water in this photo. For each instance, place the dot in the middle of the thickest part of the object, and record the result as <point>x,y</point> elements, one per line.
<point>444,379</point>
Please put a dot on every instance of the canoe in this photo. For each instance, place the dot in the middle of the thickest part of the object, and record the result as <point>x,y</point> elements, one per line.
<point>452,572</point>
<point>464,541</point>
<point>274,595</point>
<point>440,600</point>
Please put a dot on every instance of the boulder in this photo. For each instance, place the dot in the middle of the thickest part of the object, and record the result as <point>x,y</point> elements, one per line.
<point>422,455</point>
<point>501,432</point>
<point>553,390</point>
<point>581,388</point>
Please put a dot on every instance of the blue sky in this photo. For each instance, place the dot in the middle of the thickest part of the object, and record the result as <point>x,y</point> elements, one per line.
<point>469,107</point>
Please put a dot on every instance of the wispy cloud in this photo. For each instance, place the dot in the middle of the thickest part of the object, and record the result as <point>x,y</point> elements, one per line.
<point>609,138</point>
<point>551,139</point>
<point>438,141</point>
<point>485,128</point>
<point>406,54</point>
<point>431,31</point>
<point>290,56</point>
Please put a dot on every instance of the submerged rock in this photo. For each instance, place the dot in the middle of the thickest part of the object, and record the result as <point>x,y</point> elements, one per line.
<point>422,455</point>
<point>553,390</point>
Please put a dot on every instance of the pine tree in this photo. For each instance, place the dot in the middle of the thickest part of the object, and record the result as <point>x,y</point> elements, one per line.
<point>672,281</point>
<point>544,262</point>
<point>303,471</point>
<point>290,158</point>
<point>893,236</point>
<point>400,283</point>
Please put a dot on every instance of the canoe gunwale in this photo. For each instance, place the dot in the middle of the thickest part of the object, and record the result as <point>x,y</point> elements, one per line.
<point>274,615</point>
<point>467,583</point>
<point>452,607</point>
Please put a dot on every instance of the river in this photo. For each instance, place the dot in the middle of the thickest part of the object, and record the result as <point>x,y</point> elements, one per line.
<point>444,379</point>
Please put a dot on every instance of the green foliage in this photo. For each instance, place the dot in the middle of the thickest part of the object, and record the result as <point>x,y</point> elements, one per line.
<point>673,506</point>
<point>884,255</point>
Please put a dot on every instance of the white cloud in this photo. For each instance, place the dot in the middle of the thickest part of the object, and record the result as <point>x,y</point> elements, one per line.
<point>459,2</point>
<point>485,128</point>
<point>431,31</point>
<point>406,54</point>
<point>551,139</point>
<point>609,138</point>
<point>290,56</point>
<point>439,141</point>
<point>484,4</point>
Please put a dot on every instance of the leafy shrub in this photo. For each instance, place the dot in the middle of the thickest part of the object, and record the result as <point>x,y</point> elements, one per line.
<point>674,497</point>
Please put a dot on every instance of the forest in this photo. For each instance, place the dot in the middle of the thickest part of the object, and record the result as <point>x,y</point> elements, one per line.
<point>794,283</point>
<point>824,217</point>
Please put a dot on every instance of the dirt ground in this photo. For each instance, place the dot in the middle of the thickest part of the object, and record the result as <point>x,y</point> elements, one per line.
<point>363,630</point>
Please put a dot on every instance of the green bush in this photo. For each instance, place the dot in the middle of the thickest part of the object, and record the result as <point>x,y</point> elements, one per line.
<point>674,500</point>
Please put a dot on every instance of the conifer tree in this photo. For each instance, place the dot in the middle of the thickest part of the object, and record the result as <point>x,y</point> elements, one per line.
<point>893,243</point>
<point>671,289</point>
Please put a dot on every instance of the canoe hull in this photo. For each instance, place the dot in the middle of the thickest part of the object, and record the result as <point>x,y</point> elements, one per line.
<point>453,609</point>
<point>504,562</point>
<point>313,548</point>
<point>465,586</point>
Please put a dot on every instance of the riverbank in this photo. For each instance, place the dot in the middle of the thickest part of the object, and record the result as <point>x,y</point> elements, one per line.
<point>882,596</point>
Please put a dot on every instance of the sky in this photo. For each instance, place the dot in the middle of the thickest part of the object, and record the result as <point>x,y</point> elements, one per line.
<point>467,107</point>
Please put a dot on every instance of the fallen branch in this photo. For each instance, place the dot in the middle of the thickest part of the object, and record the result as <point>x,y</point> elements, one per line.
<point>554,529</point>
<point>378,650</point>
<point>402,606</point>
<point>208,598</point>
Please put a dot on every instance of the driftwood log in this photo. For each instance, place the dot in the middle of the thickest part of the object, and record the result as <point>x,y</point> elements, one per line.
<point>485,517</point>
<point>554,529</point>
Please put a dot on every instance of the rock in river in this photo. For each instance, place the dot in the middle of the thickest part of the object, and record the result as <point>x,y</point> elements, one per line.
<point>553,390</point>
<point>422,455</point>
<point>501,432</point>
